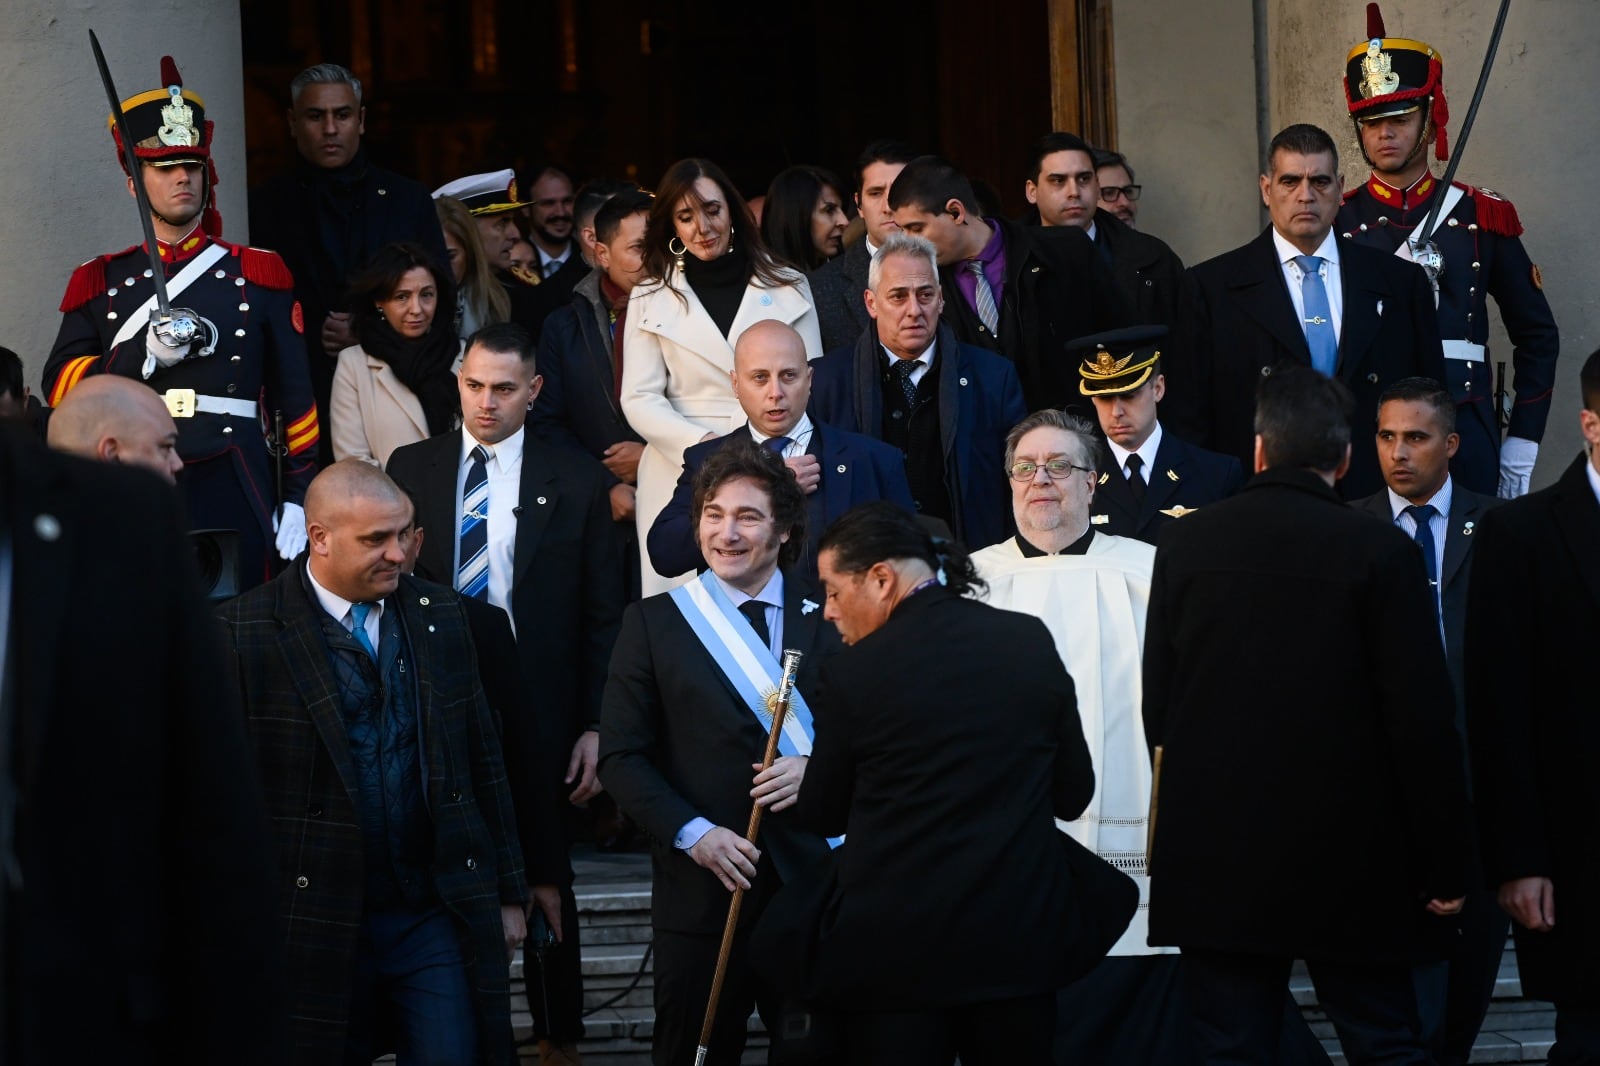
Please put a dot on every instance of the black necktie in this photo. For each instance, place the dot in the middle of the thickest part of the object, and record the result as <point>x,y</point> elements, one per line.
<point>755,612</point>
<point>1136,483</point>
<point>905,368</point>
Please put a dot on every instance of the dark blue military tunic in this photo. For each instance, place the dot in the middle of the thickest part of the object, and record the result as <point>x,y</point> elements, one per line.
<point>257,368</point>
<point>1483,256</point>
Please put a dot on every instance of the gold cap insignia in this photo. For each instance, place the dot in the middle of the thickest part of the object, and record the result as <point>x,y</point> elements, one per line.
<point>177,122</point>
<point>1377,72</point>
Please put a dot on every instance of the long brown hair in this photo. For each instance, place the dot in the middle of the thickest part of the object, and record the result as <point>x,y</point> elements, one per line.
<point>677,183</point>
<point>483,291</point>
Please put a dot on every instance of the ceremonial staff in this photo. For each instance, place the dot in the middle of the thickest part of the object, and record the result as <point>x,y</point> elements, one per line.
<point>172,329</point>
<point>778,704</point>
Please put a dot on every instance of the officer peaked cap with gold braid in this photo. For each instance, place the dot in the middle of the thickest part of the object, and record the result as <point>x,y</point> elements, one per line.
<point>1119,360</point>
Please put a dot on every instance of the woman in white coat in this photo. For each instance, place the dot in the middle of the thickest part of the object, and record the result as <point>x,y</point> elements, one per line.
<point>397,384</point>
<point>708,277</point>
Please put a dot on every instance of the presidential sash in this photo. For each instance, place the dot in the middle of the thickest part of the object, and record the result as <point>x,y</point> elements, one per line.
<point>747,663</point>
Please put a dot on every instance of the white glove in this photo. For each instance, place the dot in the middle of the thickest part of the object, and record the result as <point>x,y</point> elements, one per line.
<point>160,350</point>
<point>1516,466</point>
<point>291,531</point>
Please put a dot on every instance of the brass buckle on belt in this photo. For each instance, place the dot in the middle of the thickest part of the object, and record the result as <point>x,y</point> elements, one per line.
<point>180,402</point>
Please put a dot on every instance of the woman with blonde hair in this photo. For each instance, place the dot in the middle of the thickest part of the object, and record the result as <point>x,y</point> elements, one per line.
<point>480,298</point>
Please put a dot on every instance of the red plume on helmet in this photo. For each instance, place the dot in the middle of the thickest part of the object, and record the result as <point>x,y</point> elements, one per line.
<point>168,125</point>
<point>1395,75</point>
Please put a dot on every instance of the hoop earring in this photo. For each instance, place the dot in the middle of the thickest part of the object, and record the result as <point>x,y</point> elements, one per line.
<point>678,252</point>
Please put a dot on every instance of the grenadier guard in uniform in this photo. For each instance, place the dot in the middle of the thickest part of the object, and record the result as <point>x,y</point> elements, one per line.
<point>247,361</point>
<point>1395,91</point>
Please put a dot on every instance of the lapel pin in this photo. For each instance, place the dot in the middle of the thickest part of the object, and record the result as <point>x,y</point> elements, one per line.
<point>766,301</point>
<point>807,606</point>
<point>47,527</point>
<point>1172,474</point>
<point>1178,511</point>
<point>539,500</point>
<point>840,468</point>
<point>1104,478</point>
<point>423,601</point>
<point>1466,530</point>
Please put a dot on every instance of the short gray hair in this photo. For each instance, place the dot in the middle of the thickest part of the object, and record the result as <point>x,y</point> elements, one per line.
<point>901,244</point>
<point>323,74</point>
<point>1086,444</point>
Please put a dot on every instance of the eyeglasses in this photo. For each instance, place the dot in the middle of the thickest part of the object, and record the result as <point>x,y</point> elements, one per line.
<point>1056,468</point>
<point>1113,193</point>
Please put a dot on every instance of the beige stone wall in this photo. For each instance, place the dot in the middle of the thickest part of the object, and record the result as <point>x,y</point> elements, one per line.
<point>65,197</point>
<point>1186,75</point>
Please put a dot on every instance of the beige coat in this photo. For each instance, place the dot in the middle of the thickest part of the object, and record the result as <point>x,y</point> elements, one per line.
<point>371,412</point>
<point>675,380</point>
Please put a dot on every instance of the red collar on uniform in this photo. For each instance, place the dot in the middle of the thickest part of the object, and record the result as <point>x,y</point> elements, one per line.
<point>1404,199</point>
<point>184,249</point>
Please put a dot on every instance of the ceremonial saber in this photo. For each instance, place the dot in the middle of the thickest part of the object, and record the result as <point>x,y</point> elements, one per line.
<point>1428,223</point>
<point>158,273</point>
<point>1155,793</point>
<point>779,705</point>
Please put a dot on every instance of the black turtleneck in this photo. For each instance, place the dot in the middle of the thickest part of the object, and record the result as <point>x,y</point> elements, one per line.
<point>720,284</point>
<point>1077,547</point>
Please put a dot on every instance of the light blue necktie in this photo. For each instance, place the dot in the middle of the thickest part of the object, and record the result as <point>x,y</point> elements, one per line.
<point>358,615</point>
<point>1318,321</point>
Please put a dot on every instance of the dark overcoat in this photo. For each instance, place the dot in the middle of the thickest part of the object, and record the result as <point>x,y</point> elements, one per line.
<point>1312,796</point>
<point>948,740</point>
<point>1241,324</point>
<point>279,659</point>
<point>1533,624</point>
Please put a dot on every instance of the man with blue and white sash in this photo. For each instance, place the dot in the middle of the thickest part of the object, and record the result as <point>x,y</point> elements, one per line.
<point>683,730</point>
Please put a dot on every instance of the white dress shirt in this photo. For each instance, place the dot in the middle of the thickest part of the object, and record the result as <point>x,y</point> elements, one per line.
<point>1146,453</point>
<point>799,437</point>
<point>505,488</point>
<point>1329,251</point>
<point>549,264</point>
<point>1594,478</point>
<point>339,608</point>
<point>925,361</point>
<point>771,594</point>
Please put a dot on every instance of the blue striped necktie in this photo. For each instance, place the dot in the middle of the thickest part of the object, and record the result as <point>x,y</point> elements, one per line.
<point>472,577</point>
<point>1318,319</point>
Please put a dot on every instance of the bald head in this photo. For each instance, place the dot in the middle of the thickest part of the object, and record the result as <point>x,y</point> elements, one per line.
<point>114,419</point>
<point>358,525</point>
<point>771,377</point>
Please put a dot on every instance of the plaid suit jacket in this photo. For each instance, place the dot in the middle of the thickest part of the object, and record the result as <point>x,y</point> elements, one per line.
<point>279,659</point>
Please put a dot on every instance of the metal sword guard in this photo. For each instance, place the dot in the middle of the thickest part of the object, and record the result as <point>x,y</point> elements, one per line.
<point>181,327</point>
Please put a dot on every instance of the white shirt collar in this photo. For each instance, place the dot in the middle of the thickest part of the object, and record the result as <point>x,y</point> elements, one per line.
<point>926,358</point>
<point>872,249</point>
<point>1092,230</point>
<point>1328,250</point>
<point>799,435</point>
<point>504,456</point>
<point>545,259</point>
<point>771,593</point>
<point>1146,451</point>
<point>335,604</point>
<point>1439,501</point>
<point>1594,478</point>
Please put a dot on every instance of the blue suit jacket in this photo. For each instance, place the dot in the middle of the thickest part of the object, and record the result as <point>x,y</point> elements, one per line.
<point>855,470</point>
<point>980,399</point>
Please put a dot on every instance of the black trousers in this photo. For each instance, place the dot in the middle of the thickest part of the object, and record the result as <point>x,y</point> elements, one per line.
<point>1456,993</point>
<point>684,965</point>
<point>1237,1003</point>
<point>1577,1035</point>
<point>1006,1032</point>
<point>554,980</point>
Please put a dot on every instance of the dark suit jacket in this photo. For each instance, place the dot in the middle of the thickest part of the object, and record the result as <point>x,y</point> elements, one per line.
<point>142,838</point>
<point>577,405</point>
<point>836,291</point>
<point>676,743</point>
<point>1242,324</point>
<point>279,660</point>
<point>1312,791</point>
<point>947,772</point>
<point>1533,624</point>
<point>1184,478</point>
<point>533,792</point>
<point>566,594</point>
<point>1467,509</point>
<point>979,401</point>
<point>555,292</point>
<point>855,469</point>
<point>1057,289</point>
<point>1149,273</point>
